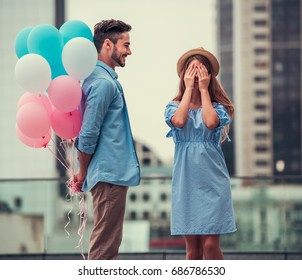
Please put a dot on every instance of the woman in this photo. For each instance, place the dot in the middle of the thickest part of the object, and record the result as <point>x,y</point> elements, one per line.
<point>199,118</point>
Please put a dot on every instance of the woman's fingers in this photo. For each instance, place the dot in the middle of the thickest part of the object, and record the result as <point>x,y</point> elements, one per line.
<point>202,70</point>
<point>191,70</point>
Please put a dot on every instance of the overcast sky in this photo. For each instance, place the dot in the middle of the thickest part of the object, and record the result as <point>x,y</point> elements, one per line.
<point>161,31</point>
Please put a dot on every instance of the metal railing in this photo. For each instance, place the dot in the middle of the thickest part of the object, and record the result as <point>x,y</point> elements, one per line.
<point>38,216</point>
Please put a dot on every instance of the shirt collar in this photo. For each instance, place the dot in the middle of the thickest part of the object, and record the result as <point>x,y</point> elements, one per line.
<point>112,73</point>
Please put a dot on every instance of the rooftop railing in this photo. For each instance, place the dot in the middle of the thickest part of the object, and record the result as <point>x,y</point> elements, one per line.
<point>41,217</point>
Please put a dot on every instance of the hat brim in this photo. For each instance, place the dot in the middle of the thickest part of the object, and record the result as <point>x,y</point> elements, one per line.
<point>199,51</point>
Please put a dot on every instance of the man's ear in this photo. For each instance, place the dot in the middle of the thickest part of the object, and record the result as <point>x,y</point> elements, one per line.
<point>107,44</point>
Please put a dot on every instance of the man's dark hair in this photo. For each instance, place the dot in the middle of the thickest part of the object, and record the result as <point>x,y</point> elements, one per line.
<point>109,29</point>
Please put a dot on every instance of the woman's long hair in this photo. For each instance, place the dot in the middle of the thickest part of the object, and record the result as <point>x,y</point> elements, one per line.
<point>216,91</point>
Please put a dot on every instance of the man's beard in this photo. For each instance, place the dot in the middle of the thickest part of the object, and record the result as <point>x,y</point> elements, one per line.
<point>117,58</point>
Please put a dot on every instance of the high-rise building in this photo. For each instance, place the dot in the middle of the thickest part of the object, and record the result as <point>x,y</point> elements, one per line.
<point>260,54</point>
<point>286,86</point>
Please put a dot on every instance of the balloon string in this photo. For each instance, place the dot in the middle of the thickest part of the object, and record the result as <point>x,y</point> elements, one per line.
<point>69,151</point>
<point>83,221</point>
<point>68,198</point>
<point>83,217</point>
<point>61,155</point>
<point>68,222</point>
<point>68,163</point>
<point>57,157</point>
<point>72,153</point>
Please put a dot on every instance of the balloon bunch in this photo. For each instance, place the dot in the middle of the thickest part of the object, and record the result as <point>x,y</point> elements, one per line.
<point>51,63</point>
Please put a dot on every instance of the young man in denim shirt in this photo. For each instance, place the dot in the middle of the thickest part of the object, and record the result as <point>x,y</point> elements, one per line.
<point>107,157</point>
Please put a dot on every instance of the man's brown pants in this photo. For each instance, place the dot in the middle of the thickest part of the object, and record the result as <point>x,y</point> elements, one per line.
<point>109,203</point>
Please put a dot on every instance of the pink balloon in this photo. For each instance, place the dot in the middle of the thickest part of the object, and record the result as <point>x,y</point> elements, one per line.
<point>65,93</point>
<point>34,142</point>
<point>33,120</point>
<point>39,98</point>
<point>66,125</point>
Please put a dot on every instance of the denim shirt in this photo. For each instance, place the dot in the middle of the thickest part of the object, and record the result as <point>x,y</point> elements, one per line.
<point>106,132</point>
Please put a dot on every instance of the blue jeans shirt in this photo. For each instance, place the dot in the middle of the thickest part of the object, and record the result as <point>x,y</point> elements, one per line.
<point>106,132</point>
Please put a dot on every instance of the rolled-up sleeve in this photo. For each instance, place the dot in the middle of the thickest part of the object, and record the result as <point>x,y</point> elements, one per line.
<point>169,113</point>
<point>223,115</point>
<point>99,96</point>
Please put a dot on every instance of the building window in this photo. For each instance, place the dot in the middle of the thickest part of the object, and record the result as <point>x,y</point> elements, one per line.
<point>261,121</point>
<point>278,67</point>
<point>260,79</point>
<point>163,215</point>
<point>260,37</point>
<point>18,202</point>
<point>280,165</point>
<point>261,135</point>
<point>133,215</point>
<point>260,22</point>
<point>146,161</point>
<point>133,197</point>
<point>261,163</point>
<point>260,107</point>
<point>259,51</point>
<point>261,149</point>
<point>261,64</point>
<point>260,93</point>
<point>145,149</point>
<point>163,197</point>
<point>260,8</point>
<point>146,197</point>
<point>146,215</point>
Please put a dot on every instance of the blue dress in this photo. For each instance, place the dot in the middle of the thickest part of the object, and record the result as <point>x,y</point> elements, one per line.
<point>201,191</point>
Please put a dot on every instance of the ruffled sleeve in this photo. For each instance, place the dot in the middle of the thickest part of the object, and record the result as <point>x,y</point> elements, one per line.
<point>169,112</point>
<point>224,118</point>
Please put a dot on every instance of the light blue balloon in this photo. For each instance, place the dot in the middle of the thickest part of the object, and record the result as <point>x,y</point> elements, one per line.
<point>21,41</point>
<point>46,40</point>
<point>57,70</point>
<point>75,28</point>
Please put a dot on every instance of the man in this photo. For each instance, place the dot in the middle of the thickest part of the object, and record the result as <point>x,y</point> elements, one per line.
<point>107,157</point>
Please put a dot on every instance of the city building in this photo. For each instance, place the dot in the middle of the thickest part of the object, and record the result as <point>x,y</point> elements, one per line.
<point>260,54</point>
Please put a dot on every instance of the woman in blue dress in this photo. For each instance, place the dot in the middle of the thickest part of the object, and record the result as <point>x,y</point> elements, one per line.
<point>199,118</point>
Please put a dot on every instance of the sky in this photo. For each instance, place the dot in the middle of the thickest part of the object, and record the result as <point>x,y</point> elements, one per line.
<point>162,30</point>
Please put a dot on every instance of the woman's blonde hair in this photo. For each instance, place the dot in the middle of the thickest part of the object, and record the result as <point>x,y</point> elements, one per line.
<point>216,91</point>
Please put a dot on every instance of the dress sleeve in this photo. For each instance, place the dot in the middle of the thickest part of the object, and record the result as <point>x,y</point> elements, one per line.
<point>169,112</point>
<point>223,115</point>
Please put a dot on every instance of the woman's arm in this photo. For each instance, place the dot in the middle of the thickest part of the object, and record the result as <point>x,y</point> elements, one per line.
<point>209,115</point>
<point>179,119</point>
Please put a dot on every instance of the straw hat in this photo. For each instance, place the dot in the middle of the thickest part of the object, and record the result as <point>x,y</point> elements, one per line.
<point>201,51</point>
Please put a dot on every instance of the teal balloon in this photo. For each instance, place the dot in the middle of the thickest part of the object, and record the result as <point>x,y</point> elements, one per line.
<point>57,70</point>
<point>46,40</point>
<point>21,41</point>
<point>75,28</point>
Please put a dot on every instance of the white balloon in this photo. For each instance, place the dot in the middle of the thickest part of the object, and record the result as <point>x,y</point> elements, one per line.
<point>79,57</point>
<point>33,73</point>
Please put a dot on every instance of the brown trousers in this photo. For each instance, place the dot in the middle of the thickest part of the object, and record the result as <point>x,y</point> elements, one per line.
<point>109,203</point>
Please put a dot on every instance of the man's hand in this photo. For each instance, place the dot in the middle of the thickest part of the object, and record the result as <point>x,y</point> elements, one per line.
<point>77,181</point>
